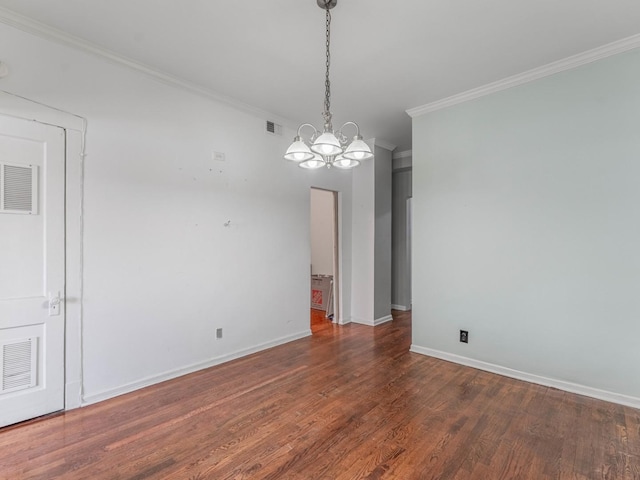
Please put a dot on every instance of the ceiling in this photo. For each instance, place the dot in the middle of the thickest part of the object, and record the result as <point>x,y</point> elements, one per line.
<point>387,57</point>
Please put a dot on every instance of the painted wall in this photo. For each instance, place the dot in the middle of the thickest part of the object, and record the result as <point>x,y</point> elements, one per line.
<point>175,243</point>
<point>382,250</point>
<point>400,271</point>
<point>371,260</point>
<point>526,231</point>
<point>322,232</point>
<point>363,266</point>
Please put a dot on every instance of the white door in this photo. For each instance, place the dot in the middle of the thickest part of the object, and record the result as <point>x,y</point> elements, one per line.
<point>32,166</point>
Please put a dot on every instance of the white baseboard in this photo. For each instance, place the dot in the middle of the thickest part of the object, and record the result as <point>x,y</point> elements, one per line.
<point>531,378</point>
<point>402,308</point>
<point>362,321</point>
<point>381,320</point>
<point>372,323</point>
<point>145,382</point>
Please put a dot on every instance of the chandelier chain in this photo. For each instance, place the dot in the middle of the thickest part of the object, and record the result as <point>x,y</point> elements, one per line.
<point>327,81</point>
<point>326,148</point>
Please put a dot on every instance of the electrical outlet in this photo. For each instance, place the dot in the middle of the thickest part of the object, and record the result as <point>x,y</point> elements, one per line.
<point>218,333</point>
<point>464,336</point>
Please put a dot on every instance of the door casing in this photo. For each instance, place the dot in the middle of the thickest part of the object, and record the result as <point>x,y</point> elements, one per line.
<point>75,131</point>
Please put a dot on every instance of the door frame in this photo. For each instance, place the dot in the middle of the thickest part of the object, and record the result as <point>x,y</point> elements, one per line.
<point>337,259</point>
<point>75,131</point>
<point>338,314</point>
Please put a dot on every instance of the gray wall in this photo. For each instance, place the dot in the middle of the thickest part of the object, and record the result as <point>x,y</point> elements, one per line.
<point>527,216</point>
<point>401,274</point>
<point>382,258</point>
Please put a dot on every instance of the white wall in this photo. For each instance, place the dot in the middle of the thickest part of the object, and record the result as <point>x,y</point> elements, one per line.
<point>161,269</point>
<point>363,279</point>
<point>322,232</point>
<point>371,260</point>
<point>526,229</point>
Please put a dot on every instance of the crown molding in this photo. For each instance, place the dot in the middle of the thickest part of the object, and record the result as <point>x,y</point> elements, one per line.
<point>47,32</point>
<point>381,143</point>
<point>568,63</point>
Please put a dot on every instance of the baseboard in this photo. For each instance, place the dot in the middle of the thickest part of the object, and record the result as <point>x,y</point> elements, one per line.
<point>401,308</point>
<point>145,382</point>
<point>381,320</point>
<point>362,321</point>
<point>372,323</point>
<point>531,378</point>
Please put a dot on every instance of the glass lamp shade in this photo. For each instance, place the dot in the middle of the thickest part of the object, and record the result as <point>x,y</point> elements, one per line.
<point>327,144</point>
<point>313,163</point>
<point>298,151</point>
<point>345,163</point>
<point>358,150</point>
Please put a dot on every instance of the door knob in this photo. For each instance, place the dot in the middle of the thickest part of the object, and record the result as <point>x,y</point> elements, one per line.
<point>54,304</point>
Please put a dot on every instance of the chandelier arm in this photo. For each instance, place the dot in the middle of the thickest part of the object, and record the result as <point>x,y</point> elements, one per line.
<point>315,130</point>
<point>350,123</point>
<point>326,148</point>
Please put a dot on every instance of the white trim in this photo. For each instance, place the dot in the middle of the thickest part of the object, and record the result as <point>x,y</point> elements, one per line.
<point>34,27</point>
<point>74,193</point>
<point>23,108</point>
<point>401,308</point>
<point>568,63</point>
<point>72,395</point>
<point>383,144</point>
<point>340,311</point>
<point>381,320</point>
<point>403,154</point>
<point>362,321</point>
<point>372,323</point>
<point>531,378</point>
<point>13,105</point>
<point>171,374</point>
<point>345,321</point>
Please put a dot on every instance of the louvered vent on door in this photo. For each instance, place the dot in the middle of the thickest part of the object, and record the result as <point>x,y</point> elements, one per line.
<point>18,364</point>
<point>18,189</point>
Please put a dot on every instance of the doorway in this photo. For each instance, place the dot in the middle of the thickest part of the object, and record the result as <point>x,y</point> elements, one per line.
<point>325,278</point>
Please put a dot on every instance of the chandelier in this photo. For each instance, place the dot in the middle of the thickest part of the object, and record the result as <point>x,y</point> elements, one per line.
<point>329,148</point>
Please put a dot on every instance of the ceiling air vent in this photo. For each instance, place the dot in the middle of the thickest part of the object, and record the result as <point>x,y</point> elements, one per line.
<point>274,128</point>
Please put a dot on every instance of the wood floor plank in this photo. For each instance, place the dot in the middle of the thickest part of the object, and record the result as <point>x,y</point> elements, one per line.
<point>349,403</point>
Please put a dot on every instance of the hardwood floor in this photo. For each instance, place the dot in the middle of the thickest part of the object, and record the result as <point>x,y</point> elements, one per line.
<point>319,321</point>
<point>348,403</point>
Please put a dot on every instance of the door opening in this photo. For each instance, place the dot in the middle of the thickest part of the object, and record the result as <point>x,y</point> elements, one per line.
<point>325,275</point>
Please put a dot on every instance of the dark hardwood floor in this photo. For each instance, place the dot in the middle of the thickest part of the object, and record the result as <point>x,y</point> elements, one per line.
<point>348,403</point>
